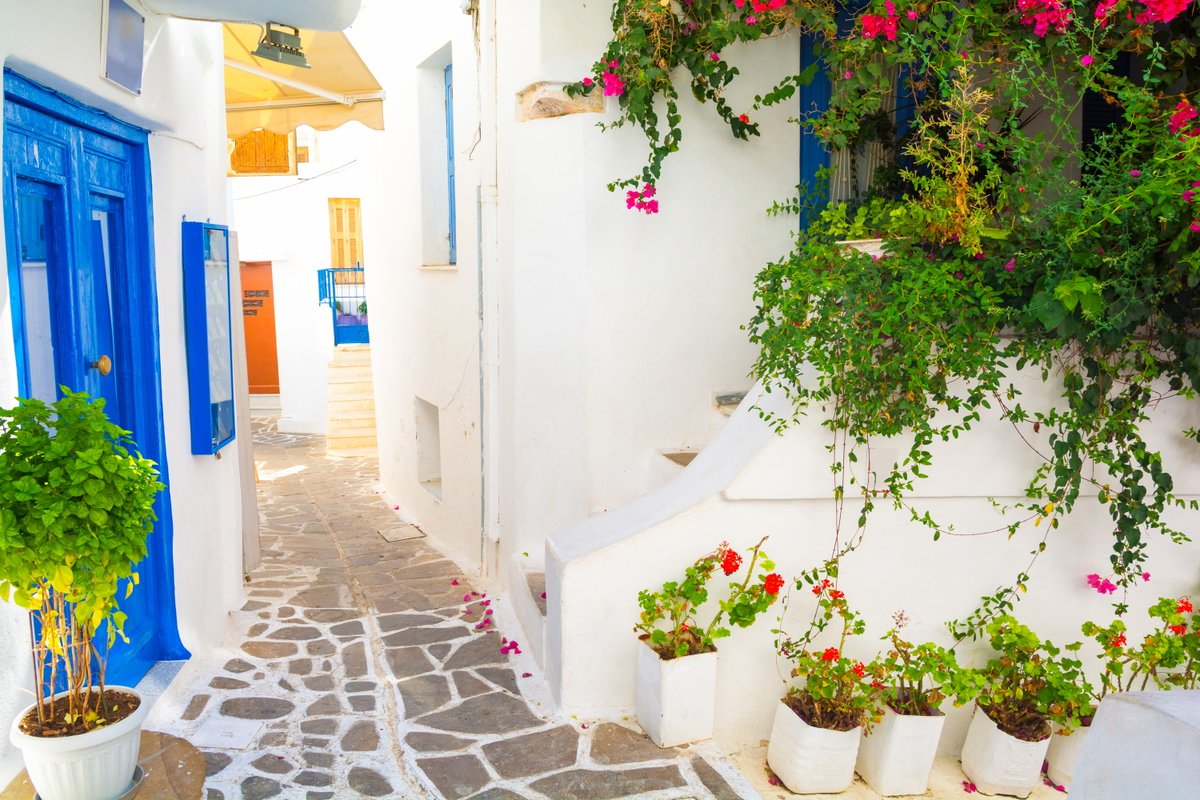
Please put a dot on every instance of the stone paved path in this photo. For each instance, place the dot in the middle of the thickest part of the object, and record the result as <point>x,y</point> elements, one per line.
<point>375,669</point>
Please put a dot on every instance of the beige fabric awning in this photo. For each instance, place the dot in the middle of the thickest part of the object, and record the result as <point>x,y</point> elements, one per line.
<point>276,97</point>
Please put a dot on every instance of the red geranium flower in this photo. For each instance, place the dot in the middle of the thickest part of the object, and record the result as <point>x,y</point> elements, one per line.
<point>837,595</point>
<point>1179,629</point>
<point>730,562</point>
<point>831,654</point>
<point>1184,607</point>
<point>1117,641</point>
<point>859,669</point>
<point>773,583</point>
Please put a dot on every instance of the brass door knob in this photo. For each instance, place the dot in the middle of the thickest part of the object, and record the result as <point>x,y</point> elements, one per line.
<point>103,365</point>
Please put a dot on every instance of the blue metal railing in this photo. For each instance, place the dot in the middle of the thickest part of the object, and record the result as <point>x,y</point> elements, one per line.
<point>344,290</point>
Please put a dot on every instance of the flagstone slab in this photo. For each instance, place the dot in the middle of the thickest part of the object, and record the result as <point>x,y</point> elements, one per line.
<point>413,636</point>
<point>483,649</point>
<point>195,707</point>
<point>361,738</point>
<point>256,787</point>
<point>712,780</point>
<point>436,742</point>
<point>455,776</point>
<point>616,744</point>
<point>468,685</point>
<point>257,707</point>
<point>270,650</point>
<point>328,615</point>
<point>394,622</point>
<point>327,706</point>
<point>320,727</point>
<point>295,633</point>
<point>275,765</point>
<point>534,753</point>
<point>369,782</point>
<point>354,660</point>
<point>502,677</point>
<point>237,666</point>
<point>488,713</point>
<point>408,661</point>
<point>498,793</point>
<point>594,784</point>
<point>423,694</point>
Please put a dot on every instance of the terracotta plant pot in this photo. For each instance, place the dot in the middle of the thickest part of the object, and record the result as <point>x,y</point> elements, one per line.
<point>998,763</point>
<point>811,760</point>
<point>97,765</point>
<point>1063,755</point>
<point>896,757</point>
<point>676,699</point>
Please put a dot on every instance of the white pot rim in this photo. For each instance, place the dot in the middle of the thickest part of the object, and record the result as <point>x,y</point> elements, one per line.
<point>645,639</point>
<point>59,744</point>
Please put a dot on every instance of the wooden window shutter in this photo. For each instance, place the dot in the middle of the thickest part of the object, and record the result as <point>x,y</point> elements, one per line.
<point>262,152</point>
<point>345,232</point>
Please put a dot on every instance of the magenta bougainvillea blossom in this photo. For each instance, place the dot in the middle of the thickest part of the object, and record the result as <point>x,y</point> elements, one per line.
<point>1044,15</point>
<point>1161,10</point>
<point>642,201</point>
<point>1185,112</point>
<point>1101,585</point>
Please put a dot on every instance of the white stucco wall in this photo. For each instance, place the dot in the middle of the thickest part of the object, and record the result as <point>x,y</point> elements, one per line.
<point>424,312</point>
<point>57,43</point>
<point>750,483</point>
<point>285,220</point>
<point>616,328</point>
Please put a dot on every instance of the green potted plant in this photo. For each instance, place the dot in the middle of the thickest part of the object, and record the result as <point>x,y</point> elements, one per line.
<point>896,755</point>
<point>76,506</point>
<point>677,669</point>
<point>817,727</point>
<point>1021,690</point>
<point>1166,658</point>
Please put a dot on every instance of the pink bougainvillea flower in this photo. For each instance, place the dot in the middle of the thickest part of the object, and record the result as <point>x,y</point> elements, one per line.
<point>1146,577</point>
<point>848,74</point>
<point>526,674</point>
<point>588,82</point>
<point>648,190</point>
<point>969,787</point>
<point>1086,60</point>
<point>1184,607</point>
<point>913,15</point>
<point>613,64</point>
<point>1011,265</point>
<point>831,654</point>
<point>1102,9</point>
<point>454,581</point>
<point>1195,226</point>
<point>466,598</point>
<point>613,85</point>
<point>1044,15</point>
<point>543,595</point>
<point>1161,10</point>
<point>1135,173</point>
<point>1184,113</point>
<point>1189,196</point>
<point>715,57</point>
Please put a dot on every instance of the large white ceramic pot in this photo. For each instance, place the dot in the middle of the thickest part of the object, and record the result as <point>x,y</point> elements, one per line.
<point>676,698</point>
<point>1063,756</point>
<point>97,765</point>
<point>896,757</point>
<point>811,760</point>
<point>998,763</point>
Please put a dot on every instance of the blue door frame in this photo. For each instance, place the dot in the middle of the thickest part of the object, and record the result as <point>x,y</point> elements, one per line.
<point>95,172</point>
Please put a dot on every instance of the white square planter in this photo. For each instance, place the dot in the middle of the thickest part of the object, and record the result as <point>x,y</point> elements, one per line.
<point>676,699</point>
<point>811,760</point>
<point>1063,756</point>
<point>896,756</point>
<point>998,763</point>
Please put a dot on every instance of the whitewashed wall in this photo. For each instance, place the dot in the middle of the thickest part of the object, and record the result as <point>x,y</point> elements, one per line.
<point>57,42</point>
<point>424,312</point>
<point>751,483</point>
<point>285,220</point>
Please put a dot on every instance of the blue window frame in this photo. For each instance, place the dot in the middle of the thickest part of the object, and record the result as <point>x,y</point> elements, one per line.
<point>449,77</point>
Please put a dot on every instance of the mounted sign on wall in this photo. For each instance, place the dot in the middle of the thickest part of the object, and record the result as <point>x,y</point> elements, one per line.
<point>122,38</point>
<point>209,328</point>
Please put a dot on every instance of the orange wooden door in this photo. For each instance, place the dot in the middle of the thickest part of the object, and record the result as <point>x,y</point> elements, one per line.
<point>258,314</point>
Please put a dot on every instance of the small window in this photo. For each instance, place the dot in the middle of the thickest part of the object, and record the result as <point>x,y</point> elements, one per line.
<point>345,232</point>
<point>435,123</point>
<point>429,448</point>
<point>262,152</point>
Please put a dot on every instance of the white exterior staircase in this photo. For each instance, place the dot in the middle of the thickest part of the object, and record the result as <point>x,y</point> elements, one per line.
<point>351,416</point>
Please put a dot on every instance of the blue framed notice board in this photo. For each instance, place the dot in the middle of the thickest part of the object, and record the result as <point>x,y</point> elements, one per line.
<point>209,329</point>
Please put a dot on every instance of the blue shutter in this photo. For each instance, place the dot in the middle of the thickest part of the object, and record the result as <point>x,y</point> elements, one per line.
<point>450,159</point>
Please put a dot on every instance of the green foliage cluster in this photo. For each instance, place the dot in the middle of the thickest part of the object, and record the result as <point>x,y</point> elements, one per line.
<point>76,506</point>
<point>668,621</point>
<point>1166,658</point>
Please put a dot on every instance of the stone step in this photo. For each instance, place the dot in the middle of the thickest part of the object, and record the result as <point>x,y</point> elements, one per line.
<point>343,405</point>
<point>349,442</point>
<point>352,427</point>
<point>727,402</point>
<point>352,452</point>
<point>351,391</point>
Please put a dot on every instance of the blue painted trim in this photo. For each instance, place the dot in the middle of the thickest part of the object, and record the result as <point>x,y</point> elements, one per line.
<point>449,78</point>
<point>142,392</point>
<point>814,99</point>
<point>204,413</point>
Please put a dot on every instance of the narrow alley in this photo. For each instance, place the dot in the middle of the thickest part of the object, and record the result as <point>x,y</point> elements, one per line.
<point>373,668</point>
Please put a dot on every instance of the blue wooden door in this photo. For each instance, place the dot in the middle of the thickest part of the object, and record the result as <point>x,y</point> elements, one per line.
<point>70,198</point>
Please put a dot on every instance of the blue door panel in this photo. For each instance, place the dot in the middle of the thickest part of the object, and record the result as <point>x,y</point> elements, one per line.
<point>88,174</point>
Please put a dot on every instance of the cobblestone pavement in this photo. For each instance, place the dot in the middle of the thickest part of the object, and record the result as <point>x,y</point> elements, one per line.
<point>369,668</point>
